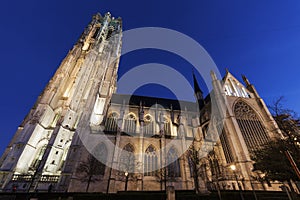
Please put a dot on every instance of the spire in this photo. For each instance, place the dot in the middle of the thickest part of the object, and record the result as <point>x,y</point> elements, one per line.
<point>172,113</point>
<point>196,85</point>
<point>213,75</point>
<point>141,112</point>
<point>198,92</point>
<point>246,80</point>
<point>250,87</point>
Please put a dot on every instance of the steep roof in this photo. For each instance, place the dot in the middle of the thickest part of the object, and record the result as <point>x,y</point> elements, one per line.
<point>135,100</point>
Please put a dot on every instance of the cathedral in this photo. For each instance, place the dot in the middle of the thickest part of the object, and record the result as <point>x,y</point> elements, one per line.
<point>80,136</point>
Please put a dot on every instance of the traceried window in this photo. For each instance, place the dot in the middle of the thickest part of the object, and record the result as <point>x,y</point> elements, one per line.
<point>127,159</point>
<point>226,147</point>
<point>150,161</point>
<point>148,126</point>
<point>173,167</point>
<point>252,129</point>
<point>111,122</point>
<point>130,124</point>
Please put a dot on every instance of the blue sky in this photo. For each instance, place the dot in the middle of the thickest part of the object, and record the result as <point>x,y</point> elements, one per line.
<point>260,39</point>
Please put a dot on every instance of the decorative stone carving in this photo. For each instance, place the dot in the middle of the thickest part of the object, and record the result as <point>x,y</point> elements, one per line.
<point>243,111</point>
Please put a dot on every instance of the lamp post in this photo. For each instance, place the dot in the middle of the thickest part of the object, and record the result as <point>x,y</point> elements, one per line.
<point>218,186</point>
<point>284,188</point>
<point>218,189</point>
<point>126,180</point>
<point>252,187</point>
<point>233,168</point>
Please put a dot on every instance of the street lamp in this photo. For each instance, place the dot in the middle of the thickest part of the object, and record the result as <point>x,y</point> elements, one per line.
<point>233,168</point>
<point>126,180</point>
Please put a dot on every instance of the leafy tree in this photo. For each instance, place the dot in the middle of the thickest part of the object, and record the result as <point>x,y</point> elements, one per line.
<point>89,169</point>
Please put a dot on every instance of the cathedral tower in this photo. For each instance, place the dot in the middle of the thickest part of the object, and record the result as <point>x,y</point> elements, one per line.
<point>80,89</point>
<point>154,140</point>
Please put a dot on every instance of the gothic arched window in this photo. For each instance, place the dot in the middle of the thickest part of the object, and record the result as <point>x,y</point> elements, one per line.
<point>167,126</point>
<point>148,126</point>
<point>214,167</point>
<point>205,131</point>
<point>127,159</point>
<point>150,161</point>
<point>110,31</point>
<point>130,124</point>
<point>173,167</point>
<point>252,129</point>
<point>111,122</point>
<point>38,157</point>
<point>226,147</point>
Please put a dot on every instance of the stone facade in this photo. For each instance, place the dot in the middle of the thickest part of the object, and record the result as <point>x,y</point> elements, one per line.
<point>78,115</point>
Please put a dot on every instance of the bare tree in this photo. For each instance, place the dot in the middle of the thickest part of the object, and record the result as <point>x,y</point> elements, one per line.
<point>129,165</point>
<point>162,177</point>
<point>89,169</point>
<point>194,162</point>
<point>165,175</point>
<point>287,121</point>
<point>279,159</point>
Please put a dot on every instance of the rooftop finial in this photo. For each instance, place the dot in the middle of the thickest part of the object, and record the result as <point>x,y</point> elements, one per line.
<point>246,80</point>
<point>213,75</point>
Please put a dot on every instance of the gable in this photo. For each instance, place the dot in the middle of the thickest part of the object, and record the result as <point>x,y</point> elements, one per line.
<point>233,87</point>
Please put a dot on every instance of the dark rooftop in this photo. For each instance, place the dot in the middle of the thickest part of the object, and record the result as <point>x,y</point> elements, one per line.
<point>150,101</point>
